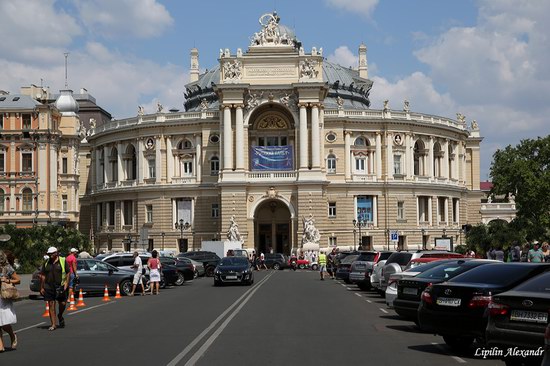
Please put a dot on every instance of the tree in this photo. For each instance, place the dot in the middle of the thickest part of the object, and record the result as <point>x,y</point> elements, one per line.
<point>497,233</point>
<point>524,173</point>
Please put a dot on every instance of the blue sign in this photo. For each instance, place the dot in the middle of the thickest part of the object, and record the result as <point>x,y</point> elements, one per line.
<point>364,208</point>
<point>271,158</point>
<point>394,235</point>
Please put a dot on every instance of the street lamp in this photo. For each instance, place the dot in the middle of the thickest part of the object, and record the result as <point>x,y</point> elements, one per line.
<point>162,234</point>
<point>181,226</point>
<point>444,232</point>
<point>359,224</point>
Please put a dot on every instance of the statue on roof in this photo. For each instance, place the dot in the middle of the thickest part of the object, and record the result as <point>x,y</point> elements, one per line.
<point>461,118</point>
<point>159,107</point>
<point>406,106</point>
<point>474,125</point>
<point>141,110</point>
<point>270,34</point>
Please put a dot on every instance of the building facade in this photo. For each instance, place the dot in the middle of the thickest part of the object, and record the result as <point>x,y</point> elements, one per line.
<point>39,169</point>
<point>273,136</point>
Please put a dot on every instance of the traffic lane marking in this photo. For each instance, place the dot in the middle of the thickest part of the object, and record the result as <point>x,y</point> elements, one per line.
<point>456,358</point>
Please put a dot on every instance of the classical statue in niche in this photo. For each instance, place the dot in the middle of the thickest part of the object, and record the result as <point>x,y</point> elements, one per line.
<point>310,233</point>
<point>233,232</point>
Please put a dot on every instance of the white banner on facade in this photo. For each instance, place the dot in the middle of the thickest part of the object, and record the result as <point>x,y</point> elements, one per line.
<point>184,211</point>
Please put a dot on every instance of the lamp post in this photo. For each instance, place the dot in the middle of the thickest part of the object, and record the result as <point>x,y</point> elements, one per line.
<point>359,224</point>
<point>423,239</point>
<point>162,235</point>
<point>181,226</point>
<point>444,232</point>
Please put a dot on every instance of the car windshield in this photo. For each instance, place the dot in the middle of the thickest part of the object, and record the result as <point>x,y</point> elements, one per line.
<point>233,261</point>
<point>384,256</point>
<point>349,259</point>
<point>540,283</point>
<point>366,257</point>
<point>445,270</point>
<point>422,267</point>
<point>401,258</point>
<point>496,274</point>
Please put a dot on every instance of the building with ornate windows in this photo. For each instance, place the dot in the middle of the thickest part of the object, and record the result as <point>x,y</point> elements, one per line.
<point>271,136</point>
<point>39,171</point>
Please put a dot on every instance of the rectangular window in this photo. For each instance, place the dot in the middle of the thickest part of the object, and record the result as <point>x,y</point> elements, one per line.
<point>26,164</point>
<point>64,166</point>
<point>1,121</point>
<point>360,165</point>
<point>215,210</point>
<point>364,208</point>
<point>128,208</point>
<point>64,203</point>
<point>332,242</point>
<point>2,162</point>
<point>188,168</point>
<point>441,209</point>
<point>152,168</point>
<point>99,208</point>
<point>214,166</point>
<point>397,165</point>
<point>332,209</point>
<point>401,210</point>
<point>26,121</point>
<point>111,213</point>
<point>456,203</point>
<point>149,213</point>
<point>423,209</point>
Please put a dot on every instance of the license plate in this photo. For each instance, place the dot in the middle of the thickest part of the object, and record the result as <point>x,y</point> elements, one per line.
<point>410,291</point>
<point>360,267</point>
<point>230,277</point>
<point>529,316</point>
<point>447,301</point>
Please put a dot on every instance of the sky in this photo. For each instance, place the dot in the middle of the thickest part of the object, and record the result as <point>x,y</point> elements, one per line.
<point>485,59</point>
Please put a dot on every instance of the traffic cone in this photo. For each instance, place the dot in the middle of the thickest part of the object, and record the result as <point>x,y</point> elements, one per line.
<point>80,299</point>
<point>47,312</point>
<point>106,294</point>
<point>72,306</point>
<point>117,295</point>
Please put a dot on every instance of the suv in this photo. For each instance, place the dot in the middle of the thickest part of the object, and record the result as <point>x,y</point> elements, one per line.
<point>362,268</point>
<point>209,259</point>
<point>276,261</point>
<point>399,260</point>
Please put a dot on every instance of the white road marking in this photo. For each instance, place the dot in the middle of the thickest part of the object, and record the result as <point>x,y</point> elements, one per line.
<point>358,294</point>
<point>370,302</point>
<point>190,346</point>
<point>347,288</point>
<point>383,310</point>
<point>90,308</point>
<point>456,358</point>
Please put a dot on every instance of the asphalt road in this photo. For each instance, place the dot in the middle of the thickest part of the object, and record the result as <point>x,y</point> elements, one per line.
<point>285,318</point>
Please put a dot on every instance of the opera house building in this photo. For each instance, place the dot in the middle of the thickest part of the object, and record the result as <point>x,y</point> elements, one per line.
<point>274,135</point>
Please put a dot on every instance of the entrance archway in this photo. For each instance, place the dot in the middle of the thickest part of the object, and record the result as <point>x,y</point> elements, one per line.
<point>272,227</point>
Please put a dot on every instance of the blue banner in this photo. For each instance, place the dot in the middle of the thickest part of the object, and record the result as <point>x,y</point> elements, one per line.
<point>271,158</point>
<point>364,208</point>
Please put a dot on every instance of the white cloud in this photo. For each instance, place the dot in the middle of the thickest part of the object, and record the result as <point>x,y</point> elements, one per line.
<point>344,57</point>
<point>363,7</point>
<point>125,18</point>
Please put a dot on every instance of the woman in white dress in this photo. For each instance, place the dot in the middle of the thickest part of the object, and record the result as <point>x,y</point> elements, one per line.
<point>7,314</point>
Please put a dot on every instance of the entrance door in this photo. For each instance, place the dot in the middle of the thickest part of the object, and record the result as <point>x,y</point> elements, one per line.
<point>272,228</point>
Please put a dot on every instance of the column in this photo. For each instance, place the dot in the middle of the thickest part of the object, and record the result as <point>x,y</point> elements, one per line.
<point>375,211</point>
<point>446,216</point>
<point>169,160</point>
<point>347,153</point>
<point>417,211</point>
<point>42,167</point>
<point>140,160</point>
<point>304,159</point>
<point>99,176</point>
<point>53,168</point>
<point>106,164</point>
<point>430,162</point>
<point>322,136</point>
<point>430,210</point>
<point>456,162</point>
<point>315,142</point>
<point>239,138</point>
<point>445,163</point>
<point>119,163</point>
<point>198,158</point>
<point>409,169</point>
<point>389,156</point>
<point>158,159</point>
<point>378,156</point>
<point>227,139</point>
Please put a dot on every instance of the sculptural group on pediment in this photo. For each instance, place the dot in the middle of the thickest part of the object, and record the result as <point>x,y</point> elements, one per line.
<point>253,99</point>
<point>270,33</point>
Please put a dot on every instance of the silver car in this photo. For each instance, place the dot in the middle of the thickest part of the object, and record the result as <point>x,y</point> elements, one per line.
<point>362,268</point>
<point>376,275</point>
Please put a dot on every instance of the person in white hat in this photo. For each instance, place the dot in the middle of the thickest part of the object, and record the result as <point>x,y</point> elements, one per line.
<point>54,284</point>
<point>71,262</point>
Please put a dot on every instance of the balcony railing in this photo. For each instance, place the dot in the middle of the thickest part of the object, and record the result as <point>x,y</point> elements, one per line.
<point>266,176</point>
<point>184,180</point>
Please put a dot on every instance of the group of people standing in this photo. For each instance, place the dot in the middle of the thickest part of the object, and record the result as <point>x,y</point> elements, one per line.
<point>154,266</point>
<point>515,253</point>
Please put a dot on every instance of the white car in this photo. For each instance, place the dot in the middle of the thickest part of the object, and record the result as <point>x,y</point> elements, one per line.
<point>375,276</point>
<point>391,289</point>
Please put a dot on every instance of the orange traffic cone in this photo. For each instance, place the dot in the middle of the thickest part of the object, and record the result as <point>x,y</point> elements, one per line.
<point>47,312</point>
<point>72,306</point>
<point>117,295</point>
<point>80,299</point>
<point>106,294</point>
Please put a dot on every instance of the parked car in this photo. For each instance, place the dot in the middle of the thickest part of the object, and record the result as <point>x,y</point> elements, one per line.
<point>362,268</point>
<point>343,268</point>
<point>185,270</point>
<point>376,275</point>
<point>546,359</point>
<point>233,270</point>
<point>209,259</point>
<point>456,309</point>
<point>519,317</point>
<point>412,271</point>
<point>198,267</point>
<point>409,290</point>
<point>94,275</point>
<point>276,261</point>
<point>398,261</point>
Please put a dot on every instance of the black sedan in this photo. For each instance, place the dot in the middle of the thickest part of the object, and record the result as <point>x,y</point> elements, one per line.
<point>184,270</point>
<point>409,289</point>
<point>233,270</point>
<point>518,318</point>
<point>94,275</point>
<point>456,309</point>
<point>343,268</point>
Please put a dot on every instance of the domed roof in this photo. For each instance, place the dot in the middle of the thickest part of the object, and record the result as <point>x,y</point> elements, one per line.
<point>343,83</point>
<point>66,104</point>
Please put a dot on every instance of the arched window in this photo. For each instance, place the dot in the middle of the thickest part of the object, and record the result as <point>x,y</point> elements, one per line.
<point>2,159</point>
<point>2,200</point>
<point>331,163</point>
<point>102,165</point>
<point>360,141</point>
<point>27,199</point>
<point>185,144</point>
<point>438,153</point>
<point>450,162</point>
<point>214,165</point>
<point>114,164</point>
<point>419,155</point>
<point>131,163</point>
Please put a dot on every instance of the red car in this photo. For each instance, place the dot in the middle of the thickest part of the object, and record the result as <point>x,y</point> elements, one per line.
<point>300,263</point>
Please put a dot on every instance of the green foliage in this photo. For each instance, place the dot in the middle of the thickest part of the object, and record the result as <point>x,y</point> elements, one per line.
<point>496,234</point>
<point>524,172</point>
<point>30,244</point>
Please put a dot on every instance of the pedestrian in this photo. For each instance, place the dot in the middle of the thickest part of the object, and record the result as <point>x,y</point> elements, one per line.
<point>262,261</point>
<point>255,260</point>
<point>73,275</point>
<point>322,265</point>
<point>138,274</point>
<point>7,312</point>
<point>54,285</point>
<point>515,252</point>
<point>499,254</point>
<point>154,272</point>
<point>535,255</point>
<point>491,253</point>
<point>546,251</point>
<point>84,255</point>
<point>331,263</point>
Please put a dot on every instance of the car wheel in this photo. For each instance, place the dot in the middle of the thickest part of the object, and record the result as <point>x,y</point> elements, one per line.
<point>458,343</point>
<point>146,284</point>
<point>162,283</point>
<point>181,279</point>
<point>126,287</point>
<point>276,266</point>
<point>314,267</point>
<point>196,274</point>
<point>302,266</point>
<point>210,271</point>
